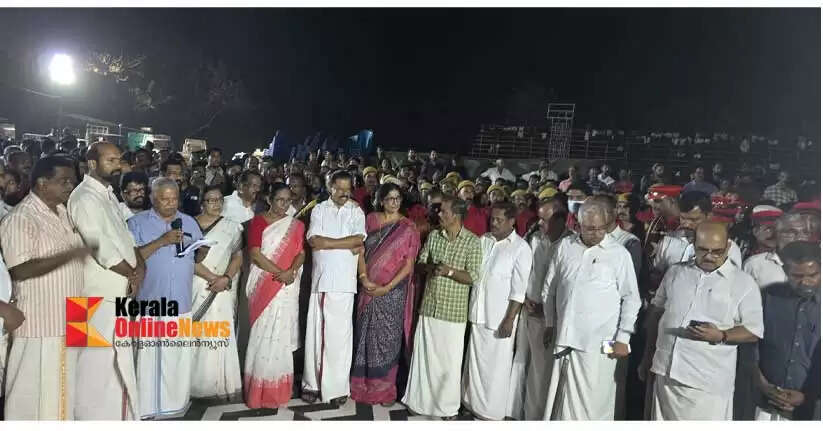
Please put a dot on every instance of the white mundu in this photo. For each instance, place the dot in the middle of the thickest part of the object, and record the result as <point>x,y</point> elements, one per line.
<point>109,388</point>
<point>592,294</point>
<point>694,380</point>
<point>329,331</point>
<point>532,360</point>
<point>504,277</point>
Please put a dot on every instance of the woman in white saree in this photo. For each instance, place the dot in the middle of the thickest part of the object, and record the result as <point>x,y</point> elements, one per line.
<point>275,244</point>
<point>215,365</point>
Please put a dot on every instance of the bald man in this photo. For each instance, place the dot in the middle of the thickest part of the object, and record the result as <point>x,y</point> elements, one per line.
<point>702,311</point>
<point>115,269</point>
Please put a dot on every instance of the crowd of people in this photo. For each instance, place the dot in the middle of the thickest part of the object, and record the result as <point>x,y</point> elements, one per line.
<point>536,296</point>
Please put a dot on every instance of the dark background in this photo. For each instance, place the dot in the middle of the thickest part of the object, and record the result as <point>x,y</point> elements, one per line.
<point>428,77</point>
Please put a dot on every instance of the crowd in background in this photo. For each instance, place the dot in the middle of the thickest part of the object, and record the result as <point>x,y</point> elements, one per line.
<point>418,236</point>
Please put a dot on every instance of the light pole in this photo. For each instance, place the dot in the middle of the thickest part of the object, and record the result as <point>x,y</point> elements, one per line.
<point>61,71</point>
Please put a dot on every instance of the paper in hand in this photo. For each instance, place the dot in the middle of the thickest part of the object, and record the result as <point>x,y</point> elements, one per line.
<point>195,245</point>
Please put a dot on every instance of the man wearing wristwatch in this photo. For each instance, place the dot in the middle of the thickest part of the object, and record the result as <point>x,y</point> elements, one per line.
<point>451,259</point>
<point>702,311</point>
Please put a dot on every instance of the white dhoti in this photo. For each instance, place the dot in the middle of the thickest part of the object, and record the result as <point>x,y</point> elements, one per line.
<point>589,389</point>
<point>4,350</point>
<point>433,387</point>
<point>517,380</point>
<point>673,401</point>
<point>215,371</point>
<point>109,381</point>
<point>164,373</point>
<point>328,349</point>
<point>487,373</point>
<point>539,370</point>
<point>766,415</point>
<point>40,379</point>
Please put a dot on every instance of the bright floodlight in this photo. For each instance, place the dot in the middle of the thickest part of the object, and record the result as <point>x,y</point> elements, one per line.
<point>62,69</point>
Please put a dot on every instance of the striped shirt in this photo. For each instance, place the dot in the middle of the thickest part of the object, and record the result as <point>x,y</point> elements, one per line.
<point>444,298</point>
<point>33,231</point>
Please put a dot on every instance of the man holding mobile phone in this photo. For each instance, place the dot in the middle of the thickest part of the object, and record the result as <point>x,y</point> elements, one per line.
<point>702,311</point>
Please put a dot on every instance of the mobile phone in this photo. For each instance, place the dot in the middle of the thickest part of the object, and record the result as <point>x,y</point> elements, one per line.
<point>607,347</point>
<point>697,322</point>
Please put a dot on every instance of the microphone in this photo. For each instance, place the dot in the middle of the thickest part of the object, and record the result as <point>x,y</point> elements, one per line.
<point>178,224</point>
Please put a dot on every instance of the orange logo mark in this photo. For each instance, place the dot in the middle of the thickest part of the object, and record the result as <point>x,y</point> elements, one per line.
<point>78,331</point>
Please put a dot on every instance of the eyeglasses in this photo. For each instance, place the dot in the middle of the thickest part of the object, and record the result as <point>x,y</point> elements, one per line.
<point>392,199</point>
<point>212,201</point>
<point>717,252</point>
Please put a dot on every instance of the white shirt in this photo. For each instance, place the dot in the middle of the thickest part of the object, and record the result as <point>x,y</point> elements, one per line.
<point>126,211</point>
<point>765,268</point>
<point>726,297</point>
<point>335,270</point>
<point>4,209</point>
<point>605,179</point>
<point>493,174</point>
<point>96,213</point>
<point>5,291</point>
<point>631,243</point>
<point>674,249</point>
<point>504,277</point>
<point>235,210</point>
<point>592,293</point>
<point>551,176</point>
<point>542,250</point>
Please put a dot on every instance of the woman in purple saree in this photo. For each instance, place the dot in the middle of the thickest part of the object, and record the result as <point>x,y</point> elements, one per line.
<point>383,320</point>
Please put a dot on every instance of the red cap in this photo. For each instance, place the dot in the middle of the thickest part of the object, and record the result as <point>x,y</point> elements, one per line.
<point>658,192</point>
<point>813,205</point>
<point>765,214</point>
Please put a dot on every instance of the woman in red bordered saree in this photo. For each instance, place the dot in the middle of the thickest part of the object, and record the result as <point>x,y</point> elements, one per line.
<point>383,320</point>
<point>276,248</point>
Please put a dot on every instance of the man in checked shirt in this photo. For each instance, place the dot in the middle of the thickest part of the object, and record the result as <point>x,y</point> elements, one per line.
<point>451,259</point>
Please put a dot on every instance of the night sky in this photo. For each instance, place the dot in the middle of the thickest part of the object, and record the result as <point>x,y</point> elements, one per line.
<point>429,78</point>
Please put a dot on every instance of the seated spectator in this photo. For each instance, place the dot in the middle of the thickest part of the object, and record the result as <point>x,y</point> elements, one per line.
<point>780,193</point>
<point>698,184</point>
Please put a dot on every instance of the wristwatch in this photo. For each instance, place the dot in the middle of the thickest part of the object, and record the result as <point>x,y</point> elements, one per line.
<point>451,272</point>
<point>724,339</point>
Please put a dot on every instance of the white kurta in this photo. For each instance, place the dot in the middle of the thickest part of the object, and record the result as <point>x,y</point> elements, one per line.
<point>592,294</point>
<point>696,371</point>
<point>329,330</point>
<point>109,390</point>
<point>433,387</point>
<point>504,277</point>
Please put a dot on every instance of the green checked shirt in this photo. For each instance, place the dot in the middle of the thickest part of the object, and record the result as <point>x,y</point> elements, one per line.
<point>444,298</point>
